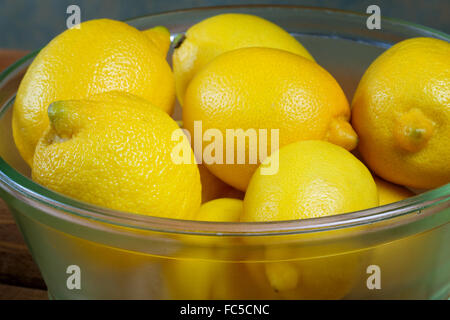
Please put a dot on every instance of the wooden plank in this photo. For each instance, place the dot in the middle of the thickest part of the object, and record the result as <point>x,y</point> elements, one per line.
<point>16,264</point>
<point>7,57</point>
<point>19,293</point>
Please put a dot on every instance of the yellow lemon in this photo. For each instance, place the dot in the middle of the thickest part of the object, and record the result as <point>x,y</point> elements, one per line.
<point>258,95</point>
<point>191,279</point>
<point>136,274</point>
<point>401,112</point>
<point>389,193</point>
<point>102,55</point>
<point>315,179</point>
<point>214,188</point>
<point>203,278</point>
<point>213,36</point>
<point>321,278</point>
<point>395,258</point>
<point>235,283</point>
<point>220,210</point>
<point>117,155</point>
<point>199,279</point>
<point>160,38</point>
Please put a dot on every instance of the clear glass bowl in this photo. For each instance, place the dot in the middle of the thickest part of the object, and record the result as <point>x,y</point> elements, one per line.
<point>125,256</point>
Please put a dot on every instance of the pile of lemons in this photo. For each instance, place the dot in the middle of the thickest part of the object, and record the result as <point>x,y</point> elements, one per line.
<point>92,118</point>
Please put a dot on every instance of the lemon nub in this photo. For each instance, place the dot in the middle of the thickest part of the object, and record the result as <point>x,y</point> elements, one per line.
<point>413,130</point>
<point>282,276</point>
<point>61,121</point>
<point>341,133</point>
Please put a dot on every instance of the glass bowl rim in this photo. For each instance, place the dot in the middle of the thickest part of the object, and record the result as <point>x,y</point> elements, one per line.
<point>24,189</point>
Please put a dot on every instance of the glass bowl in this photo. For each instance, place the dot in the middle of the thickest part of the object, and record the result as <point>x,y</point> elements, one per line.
<point>397,251</point>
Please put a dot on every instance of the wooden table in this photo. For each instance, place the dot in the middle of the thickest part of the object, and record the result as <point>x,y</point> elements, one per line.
<point>19,276</point>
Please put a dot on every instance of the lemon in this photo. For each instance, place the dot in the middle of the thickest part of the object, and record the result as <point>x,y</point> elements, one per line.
<point>198,279</point>
<point>203,278</point>
<point>322,278</point>
<point>103,55</point>
<point>117,155</point>
<point>389,193</point>
<point>159,36</point>
<point>191,279</point>
<point>401,112</point>
<point>235,283</point>
<point>223,209</point>
<point>315,179</point>
<point>269,89</point>
<point>395,258</point>
<point>214,188</point>
<point>213,36</point>
<point>137,275</point>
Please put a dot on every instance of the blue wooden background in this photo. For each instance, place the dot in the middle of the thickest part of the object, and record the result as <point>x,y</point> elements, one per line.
<point>29,24</point>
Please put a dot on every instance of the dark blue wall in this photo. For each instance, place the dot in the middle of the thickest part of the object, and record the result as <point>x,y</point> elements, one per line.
<point>29,24</point>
